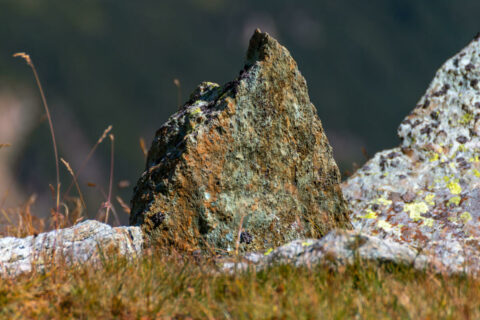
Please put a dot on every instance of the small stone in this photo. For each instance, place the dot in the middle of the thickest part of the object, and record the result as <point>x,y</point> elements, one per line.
<point>87,242</point>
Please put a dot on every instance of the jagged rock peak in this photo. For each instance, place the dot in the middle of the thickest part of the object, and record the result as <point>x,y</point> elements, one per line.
<point>242,166</point>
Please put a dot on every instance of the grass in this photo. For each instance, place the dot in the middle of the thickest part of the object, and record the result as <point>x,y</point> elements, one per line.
<point>173,288</point>
<point>160,286</point>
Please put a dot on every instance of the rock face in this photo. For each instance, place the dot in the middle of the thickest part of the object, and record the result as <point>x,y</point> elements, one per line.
<point>338,248</point>
<point>426,192</point>
<point>84,242</point>
<point>252,153</point>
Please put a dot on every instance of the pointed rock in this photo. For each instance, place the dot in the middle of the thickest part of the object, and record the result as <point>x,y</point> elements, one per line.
<point>426,192</point>
<point>245,164</point>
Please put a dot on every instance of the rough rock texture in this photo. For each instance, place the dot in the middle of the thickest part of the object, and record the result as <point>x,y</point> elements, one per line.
<point>338,248</point>
<point>251,151</point>
<point>84,242</point>
<point>426,192</point>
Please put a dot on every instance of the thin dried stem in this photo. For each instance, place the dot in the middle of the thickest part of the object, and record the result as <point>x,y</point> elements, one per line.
<point>124,206</point>
<point>237,244</point>
<point>29,61</point>
<point>70,170</point>
<point>90,154</point>
<point>4,145</point>
<point>110,184</point>
<point>177,83</point>
<point>143,147</point>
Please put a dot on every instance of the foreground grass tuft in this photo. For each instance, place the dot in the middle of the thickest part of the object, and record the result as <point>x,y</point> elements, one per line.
<point>160,287</point>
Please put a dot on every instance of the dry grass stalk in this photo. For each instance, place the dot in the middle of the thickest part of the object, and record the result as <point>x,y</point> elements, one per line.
<point>5,145</point>
<point>143,147</point>
<point>21,222</point>
<point>177,84</point>
<point>239,236</point>
<point>70,170</point>
<point>29,61</point>
<point>110,183</point>
<point>90,154</point>
<point>124,206</point>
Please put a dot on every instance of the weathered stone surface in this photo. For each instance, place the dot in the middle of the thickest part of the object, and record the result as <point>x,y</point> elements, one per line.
<point>251,151</point>
<point>338,248</point>
<point>426,192</point>
<point>84,242</point>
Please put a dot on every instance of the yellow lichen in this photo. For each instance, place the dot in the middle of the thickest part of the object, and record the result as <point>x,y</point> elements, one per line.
<point>429,199</point>
<point>428,222</point>
<point>454,187</point>
<point>454,200</point>
<point>467,117</point>
<point>434,157</point>
<point>268,252</point>
<point>384,225</point>
<point>476,173</point>
<point>474,159</point>
<point>370,214</point>
<point>466,216</point>
<point>307,243</point>
<point>382,201</point>
<point>415,210</point>
<point>195,111</point>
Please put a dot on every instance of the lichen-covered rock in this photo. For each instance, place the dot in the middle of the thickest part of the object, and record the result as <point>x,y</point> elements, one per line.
<point>250,152</point>
<point>338,248</point>
<point>85,242</point>
<point>426,192</point>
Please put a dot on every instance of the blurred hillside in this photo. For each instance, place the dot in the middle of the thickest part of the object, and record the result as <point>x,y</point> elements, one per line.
<point>114,61</point>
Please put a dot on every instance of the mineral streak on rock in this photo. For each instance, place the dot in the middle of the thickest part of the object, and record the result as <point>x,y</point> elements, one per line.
<point>426,192</point>
<point>252,150</point>
<point>85,242</point>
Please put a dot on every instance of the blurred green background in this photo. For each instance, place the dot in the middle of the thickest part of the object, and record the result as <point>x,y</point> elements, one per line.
<point>113,62</point>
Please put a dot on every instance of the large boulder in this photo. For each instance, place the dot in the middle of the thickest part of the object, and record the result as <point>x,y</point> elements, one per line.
<point>242,166</point>
<point>426,192</point>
